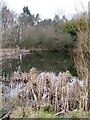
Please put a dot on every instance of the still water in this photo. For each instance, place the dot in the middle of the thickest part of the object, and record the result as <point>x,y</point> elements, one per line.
<point>42,61</point>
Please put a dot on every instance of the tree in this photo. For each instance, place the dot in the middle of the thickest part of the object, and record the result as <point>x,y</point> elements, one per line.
<point>88,102</point>
<point>37,18</point>
<point>26,10</point>
<point>9,28</point>
<point>56,19</point>
<point>26,17</point>
<point>46,22</point>
<point>64,18</point>
<point>6,17</point>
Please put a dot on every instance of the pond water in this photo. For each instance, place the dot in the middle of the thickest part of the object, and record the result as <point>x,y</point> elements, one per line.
<point>42,61</point>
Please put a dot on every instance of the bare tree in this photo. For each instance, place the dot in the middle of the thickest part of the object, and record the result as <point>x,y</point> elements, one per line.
<point>89,57</point>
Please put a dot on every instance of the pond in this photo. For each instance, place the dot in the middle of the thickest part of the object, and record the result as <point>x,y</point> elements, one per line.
<point>42,61</point>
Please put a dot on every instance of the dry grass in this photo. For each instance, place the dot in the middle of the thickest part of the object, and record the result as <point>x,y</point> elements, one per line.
<point>49,89</point>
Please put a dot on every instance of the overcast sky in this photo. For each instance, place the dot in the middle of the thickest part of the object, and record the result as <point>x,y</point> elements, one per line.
<point>48,8</point>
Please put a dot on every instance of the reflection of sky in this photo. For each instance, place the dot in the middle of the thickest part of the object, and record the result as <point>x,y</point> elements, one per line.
<point>13,89</point>
<point>73,79</point>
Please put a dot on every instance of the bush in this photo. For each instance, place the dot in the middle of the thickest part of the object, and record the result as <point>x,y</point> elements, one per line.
<point>45,37</point>
<point>73,26</point>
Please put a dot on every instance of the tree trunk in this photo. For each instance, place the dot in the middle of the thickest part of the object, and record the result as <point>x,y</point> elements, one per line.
<point>88,102</point>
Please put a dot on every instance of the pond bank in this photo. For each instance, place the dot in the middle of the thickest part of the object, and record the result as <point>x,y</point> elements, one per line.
<point>12,53</point>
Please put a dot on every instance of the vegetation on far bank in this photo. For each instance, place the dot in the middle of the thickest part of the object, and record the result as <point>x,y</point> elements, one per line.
<point>30,32</point>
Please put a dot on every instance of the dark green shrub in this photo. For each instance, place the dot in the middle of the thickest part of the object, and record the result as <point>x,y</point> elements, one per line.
<point>73,26</point>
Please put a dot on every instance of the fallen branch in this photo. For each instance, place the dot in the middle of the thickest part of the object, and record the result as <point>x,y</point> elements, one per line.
<point>60,113</point>
<point>5,116</point>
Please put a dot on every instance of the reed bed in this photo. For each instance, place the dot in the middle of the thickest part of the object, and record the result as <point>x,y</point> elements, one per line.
<point>47,89</point>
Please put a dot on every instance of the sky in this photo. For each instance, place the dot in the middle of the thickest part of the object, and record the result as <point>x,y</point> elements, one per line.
<point>48,8</point>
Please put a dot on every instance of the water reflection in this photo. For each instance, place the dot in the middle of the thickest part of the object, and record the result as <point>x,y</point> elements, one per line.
<point>42,61</point>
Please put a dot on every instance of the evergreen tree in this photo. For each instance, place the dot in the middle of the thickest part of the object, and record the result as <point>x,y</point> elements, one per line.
<point>26,10</point>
